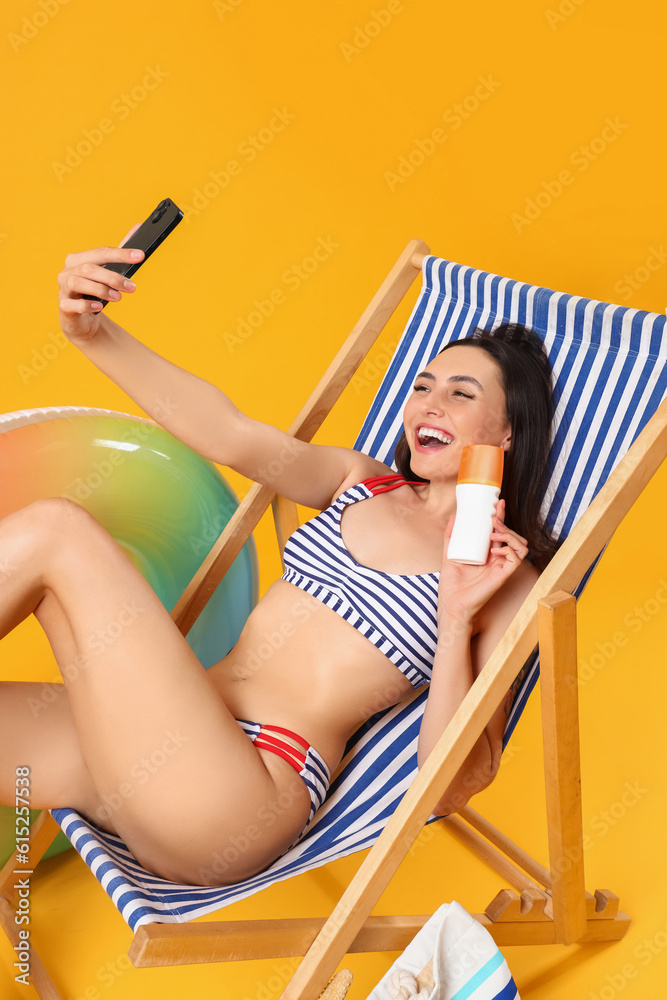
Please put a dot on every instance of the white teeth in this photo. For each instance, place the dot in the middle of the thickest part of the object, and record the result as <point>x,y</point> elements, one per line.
<point>431,432</point>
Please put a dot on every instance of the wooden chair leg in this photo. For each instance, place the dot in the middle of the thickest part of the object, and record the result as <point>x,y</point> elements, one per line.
<point>557,625</point>
<point>43,831</point>
<point>42,834</point>
<point>39,979</point>
<point>527,915</point>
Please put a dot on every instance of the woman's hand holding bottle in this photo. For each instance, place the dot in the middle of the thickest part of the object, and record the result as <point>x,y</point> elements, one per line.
<point>465,589</point>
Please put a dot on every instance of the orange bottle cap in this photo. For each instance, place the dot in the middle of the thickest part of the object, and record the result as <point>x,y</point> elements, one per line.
<point>481,464</point>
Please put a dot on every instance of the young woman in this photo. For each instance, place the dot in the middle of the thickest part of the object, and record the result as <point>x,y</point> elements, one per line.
<point>368,608</point>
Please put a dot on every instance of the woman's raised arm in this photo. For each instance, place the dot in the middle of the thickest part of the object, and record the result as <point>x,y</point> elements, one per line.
<point>192,409</point>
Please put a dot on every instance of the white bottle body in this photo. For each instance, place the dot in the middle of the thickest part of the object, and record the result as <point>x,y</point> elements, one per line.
<point>471,535</point>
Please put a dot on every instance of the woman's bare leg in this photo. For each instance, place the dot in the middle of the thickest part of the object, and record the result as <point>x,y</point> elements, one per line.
<point>140,739</point>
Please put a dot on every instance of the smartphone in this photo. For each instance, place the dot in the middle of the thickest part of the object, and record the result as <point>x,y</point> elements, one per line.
<point>148,237</point>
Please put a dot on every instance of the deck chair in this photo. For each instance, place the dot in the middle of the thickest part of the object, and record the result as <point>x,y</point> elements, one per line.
<point>609,364</point>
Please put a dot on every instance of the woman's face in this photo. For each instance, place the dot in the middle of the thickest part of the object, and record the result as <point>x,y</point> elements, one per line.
<point>457,400</point>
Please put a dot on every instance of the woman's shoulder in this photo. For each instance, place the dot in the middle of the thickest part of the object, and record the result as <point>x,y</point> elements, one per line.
<point>367,469</point>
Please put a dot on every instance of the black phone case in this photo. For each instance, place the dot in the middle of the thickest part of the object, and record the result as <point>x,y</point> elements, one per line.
<point>148,237</point>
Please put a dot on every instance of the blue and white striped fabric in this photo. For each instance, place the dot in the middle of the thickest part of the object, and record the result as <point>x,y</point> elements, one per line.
<point>375,773</point>
<point>610,373</point>
<point>396,612</point>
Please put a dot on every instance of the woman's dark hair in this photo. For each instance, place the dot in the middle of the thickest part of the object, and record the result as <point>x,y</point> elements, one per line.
<point>525,377</point>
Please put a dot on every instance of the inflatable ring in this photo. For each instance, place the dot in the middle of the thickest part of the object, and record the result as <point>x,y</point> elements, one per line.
<point>163,503</point>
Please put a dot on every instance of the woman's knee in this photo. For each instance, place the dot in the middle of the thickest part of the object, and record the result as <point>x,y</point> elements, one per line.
<point>57,525</point>
<point>57,513</point>
<point>51,519</point>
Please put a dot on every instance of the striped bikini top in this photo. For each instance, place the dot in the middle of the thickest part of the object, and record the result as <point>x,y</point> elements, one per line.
<point>396,612</point>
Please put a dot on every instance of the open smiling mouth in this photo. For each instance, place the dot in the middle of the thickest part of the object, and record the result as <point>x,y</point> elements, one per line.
<point>431,438</point>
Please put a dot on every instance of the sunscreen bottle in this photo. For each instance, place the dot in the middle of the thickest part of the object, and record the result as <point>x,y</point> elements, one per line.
<point>477,492</point>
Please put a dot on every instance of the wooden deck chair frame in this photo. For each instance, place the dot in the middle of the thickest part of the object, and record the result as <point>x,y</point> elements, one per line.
<point>549,906</point>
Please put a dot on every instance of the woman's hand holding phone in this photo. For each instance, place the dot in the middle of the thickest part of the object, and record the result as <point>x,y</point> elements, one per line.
<point>84,274</point>
<point>95,277</point>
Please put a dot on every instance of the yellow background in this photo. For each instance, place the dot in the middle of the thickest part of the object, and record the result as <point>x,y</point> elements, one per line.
<point>361,98</point>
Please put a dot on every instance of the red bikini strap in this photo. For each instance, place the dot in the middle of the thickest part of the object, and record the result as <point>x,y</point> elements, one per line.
<point>265,741</point>
<point>383,484</point>
<point>295,762</point>
<point>287,732</point>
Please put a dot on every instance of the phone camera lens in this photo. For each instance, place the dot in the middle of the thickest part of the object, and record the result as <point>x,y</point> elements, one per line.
<point>160,210</point>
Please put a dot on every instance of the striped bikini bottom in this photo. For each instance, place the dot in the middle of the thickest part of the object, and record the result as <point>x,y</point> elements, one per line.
<point>308,764</point>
